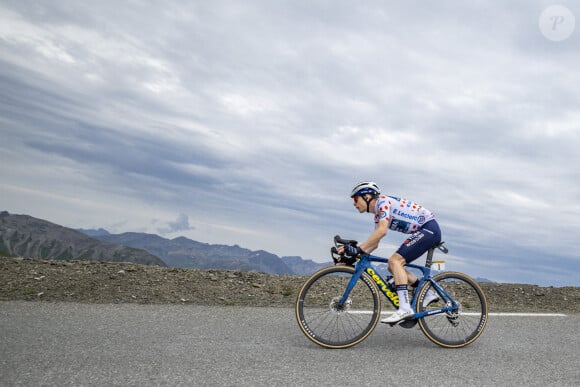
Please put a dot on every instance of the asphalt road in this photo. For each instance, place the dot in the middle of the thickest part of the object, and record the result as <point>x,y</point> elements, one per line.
<point>68,344</point>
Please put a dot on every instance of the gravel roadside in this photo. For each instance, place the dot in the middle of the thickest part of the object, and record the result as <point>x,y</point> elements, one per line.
<point>107,282</point>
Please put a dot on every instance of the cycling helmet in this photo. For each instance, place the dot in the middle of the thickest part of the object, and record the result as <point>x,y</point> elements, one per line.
<point>365,187</point>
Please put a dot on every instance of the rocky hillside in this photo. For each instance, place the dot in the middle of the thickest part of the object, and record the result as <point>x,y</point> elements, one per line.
<point>23,235</point>
<point>107,282</point>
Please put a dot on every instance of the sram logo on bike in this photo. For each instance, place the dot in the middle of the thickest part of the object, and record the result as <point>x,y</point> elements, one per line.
<point>384,287</point>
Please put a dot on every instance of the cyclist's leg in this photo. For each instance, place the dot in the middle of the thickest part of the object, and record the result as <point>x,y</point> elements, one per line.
<point>411,249</point>
<point>411,278</point>
<point>417,244</point>
<point>396,267</point>
<point>420,241</point>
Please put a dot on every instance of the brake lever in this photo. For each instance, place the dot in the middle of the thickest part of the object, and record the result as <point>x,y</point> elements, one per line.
<point>336,257</point>
<point>334,253</point>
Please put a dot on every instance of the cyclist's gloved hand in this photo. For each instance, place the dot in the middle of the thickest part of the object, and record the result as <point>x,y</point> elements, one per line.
<point>352,251</point>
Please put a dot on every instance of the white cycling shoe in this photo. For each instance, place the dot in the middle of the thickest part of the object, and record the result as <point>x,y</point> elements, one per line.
<point>399,315</point>
<point>430,298</point>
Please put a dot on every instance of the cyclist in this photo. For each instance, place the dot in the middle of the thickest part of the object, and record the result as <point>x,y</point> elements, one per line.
<point>401,215</point>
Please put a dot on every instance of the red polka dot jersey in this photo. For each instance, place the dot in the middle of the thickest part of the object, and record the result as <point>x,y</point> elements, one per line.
<point>401,214</point>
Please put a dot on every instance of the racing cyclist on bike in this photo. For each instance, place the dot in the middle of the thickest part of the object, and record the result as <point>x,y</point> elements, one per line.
<point>401,215</point>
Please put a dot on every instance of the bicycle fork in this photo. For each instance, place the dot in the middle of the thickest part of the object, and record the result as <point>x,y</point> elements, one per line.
<point>353,280</point>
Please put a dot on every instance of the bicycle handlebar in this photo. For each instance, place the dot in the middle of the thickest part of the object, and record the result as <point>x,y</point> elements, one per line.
<point>339,241</point>
<point>336,257</point>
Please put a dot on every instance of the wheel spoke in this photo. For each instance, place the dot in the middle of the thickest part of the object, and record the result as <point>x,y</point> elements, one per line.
<point>325,322</point>
<point>460,327</point>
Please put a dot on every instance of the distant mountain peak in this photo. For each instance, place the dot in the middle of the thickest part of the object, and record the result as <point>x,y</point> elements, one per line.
<point>93,232</point>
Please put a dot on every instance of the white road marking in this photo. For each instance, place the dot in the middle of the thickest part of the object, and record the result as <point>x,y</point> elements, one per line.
<point>506,314</point>
<point>528,314</point>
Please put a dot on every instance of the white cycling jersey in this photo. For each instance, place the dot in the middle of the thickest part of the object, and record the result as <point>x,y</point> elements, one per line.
<point>401,214</point>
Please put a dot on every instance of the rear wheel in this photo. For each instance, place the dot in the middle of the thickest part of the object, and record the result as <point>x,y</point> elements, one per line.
<point>327,323</point>
<point>462,325</point>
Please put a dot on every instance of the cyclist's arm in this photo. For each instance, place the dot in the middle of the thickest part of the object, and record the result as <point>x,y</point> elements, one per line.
<point>374,239</point>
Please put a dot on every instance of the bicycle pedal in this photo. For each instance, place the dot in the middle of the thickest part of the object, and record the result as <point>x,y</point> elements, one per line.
<point>392,324</point>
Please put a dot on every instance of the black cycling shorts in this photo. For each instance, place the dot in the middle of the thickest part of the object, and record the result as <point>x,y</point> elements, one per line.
<point>420,241</point>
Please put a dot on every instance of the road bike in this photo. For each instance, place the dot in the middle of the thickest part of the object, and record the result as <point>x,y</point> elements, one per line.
<point>339,306</point>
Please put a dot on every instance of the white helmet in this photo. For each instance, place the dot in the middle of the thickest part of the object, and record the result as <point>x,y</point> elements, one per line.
<point>365,187</point>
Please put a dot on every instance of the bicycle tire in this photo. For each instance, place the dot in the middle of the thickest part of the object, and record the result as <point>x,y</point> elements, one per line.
<point>458,328</point>
<point>319,316</point>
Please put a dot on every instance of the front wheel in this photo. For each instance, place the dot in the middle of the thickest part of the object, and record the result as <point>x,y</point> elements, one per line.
<point>324,320</point>
<point>463,324</point>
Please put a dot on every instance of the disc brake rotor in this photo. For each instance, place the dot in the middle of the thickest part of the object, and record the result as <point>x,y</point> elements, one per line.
<point>338,309</point>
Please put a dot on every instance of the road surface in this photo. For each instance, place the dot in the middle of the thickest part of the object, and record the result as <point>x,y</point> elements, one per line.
<point>67,344</point>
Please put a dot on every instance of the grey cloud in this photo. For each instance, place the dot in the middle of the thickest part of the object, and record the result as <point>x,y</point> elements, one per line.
<point>179,225</point>
<point>259,113</point>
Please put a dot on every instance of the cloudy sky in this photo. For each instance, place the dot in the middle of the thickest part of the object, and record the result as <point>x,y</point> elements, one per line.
<point>248,122</point>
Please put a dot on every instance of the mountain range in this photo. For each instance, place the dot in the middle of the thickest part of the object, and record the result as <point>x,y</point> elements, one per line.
<point>23,235</point>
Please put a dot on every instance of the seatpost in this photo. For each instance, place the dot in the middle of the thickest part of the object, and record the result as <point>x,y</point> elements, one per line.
<point>429,260</point>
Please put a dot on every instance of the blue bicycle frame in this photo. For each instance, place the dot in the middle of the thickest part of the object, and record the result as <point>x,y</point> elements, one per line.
<point>364,265</point>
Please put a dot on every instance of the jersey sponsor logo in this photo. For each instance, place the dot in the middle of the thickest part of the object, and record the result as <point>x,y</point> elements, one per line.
<point>399,225</point>
<point>417,218</point>
<point>416,237</point>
